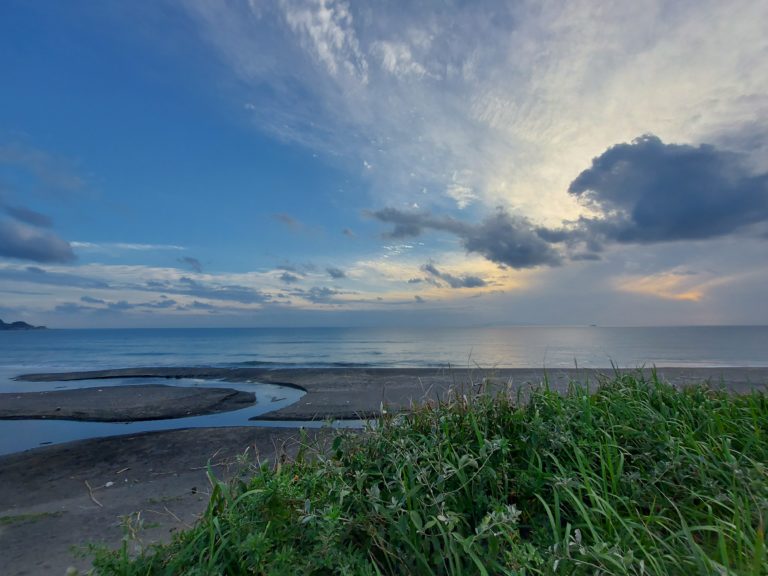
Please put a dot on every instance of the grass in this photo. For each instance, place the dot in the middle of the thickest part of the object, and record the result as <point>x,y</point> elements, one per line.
<point>11,519</point>
<point>632,478</point>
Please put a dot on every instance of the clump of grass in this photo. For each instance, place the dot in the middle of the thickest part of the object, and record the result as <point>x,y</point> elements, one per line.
<point>11,519</point>
<point>635,478</point>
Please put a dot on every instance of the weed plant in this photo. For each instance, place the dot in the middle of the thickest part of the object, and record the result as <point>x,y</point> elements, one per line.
<point>633,478</point>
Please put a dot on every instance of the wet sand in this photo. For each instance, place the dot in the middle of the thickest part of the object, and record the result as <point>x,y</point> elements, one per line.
<point>59,497</point>
<point>122,403</point>
<point>46,506</point>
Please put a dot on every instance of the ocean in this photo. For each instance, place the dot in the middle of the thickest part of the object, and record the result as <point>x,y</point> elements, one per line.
<point>508,347</point>
<point>502,347</point>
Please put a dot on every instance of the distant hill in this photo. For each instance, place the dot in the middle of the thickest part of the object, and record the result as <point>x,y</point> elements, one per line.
<point>19,326</point>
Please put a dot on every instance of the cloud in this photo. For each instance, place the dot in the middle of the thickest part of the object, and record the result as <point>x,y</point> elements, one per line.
<point>35,275</point>
<point>193,263</point>
<point>336,273</point>
<point>501,238</point>
<point>412,224</point>
<point>397,59</point>
<point>73,308</point>
<point>647,191</point>
<point>319,294</point>
<point>289,278</point>
<point>91,300</point>
<point>234,293</point>
<point>28,216</point>
<point>325,29</point>
<point>23,242</point>
<point>25,235</point>
<point>514,97</point>
<point>289,221</point>
<point>105,307</point>
<point>465,281</point>
<point>130,246</point>
<point>510,241</point>
<point>45,167</point>
<point>186,286</point>
<point>348,232</point>
<point>161,304</point>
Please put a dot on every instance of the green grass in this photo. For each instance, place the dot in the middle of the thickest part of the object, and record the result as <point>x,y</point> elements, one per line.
<point>633,478</point>
<point>11,519</point>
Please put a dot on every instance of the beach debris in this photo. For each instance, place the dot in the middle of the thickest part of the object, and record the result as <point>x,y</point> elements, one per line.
<point>123,470</point>
<point>93,498</point>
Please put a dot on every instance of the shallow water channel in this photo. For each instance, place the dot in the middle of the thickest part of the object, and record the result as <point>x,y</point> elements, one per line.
<point>18,435</point>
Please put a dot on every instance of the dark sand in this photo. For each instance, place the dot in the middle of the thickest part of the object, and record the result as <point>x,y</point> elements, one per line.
<point>46,506</point>
<point>122,403</point>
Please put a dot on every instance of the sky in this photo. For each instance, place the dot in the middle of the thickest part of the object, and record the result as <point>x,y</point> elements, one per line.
<point>333,163</point>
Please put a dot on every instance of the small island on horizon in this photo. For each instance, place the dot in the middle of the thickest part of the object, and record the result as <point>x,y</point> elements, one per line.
<point>19,325</point>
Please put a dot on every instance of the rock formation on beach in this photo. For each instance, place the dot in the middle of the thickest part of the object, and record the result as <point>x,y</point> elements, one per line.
<point>19,326</point>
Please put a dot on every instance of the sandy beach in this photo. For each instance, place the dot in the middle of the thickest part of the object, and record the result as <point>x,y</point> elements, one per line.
<point>57,497</point>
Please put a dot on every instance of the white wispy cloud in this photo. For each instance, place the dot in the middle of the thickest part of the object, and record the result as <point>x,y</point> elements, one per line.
<point>120,246</point>
<point>517,98</point>
<point>325,28</point>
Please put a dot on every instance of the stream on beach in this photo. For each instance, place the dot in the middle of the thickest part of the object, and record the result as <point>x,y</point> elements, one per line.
<point>17,435</point>
<point>55,350</point>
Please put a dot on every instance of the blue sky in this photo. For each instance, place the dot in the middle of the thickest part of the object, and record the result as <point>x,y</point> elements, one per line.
<point>308,162</point>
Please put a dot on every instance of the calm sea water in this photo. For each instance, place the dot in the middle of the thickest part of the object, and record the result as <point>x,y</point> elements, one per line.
<point>515,347</point>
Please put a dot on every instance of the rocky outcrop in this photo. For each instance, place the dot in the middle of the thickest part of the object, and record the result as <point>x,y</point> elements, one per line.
<point>19,326</point>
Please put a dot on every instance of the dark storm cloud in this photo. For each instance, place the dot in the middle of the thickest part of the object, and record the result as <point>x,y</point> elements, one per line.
<point>648,191</point>
<point>336,273</point>
<point>412,224</point>
<point>501,238</point>
<point>193,263</point>
<point>642,192</point>
<point>454,281</point>
<point>510,241</point>
<point>28,216</point>
<point>23,242</point>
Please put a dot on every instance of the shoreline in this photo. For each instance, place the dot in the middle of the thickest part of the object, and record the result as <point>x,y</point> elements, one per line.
<point>46,506</point>
<point>343,393</point>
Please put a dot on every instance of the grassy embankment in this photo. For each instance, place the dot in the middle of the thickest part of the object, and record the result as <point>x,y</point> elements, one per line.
<point>635,478</point>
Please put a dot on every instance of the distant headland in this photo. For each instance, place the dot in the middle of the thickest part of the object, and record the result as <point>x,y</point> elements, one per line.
<point>19,326</point>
